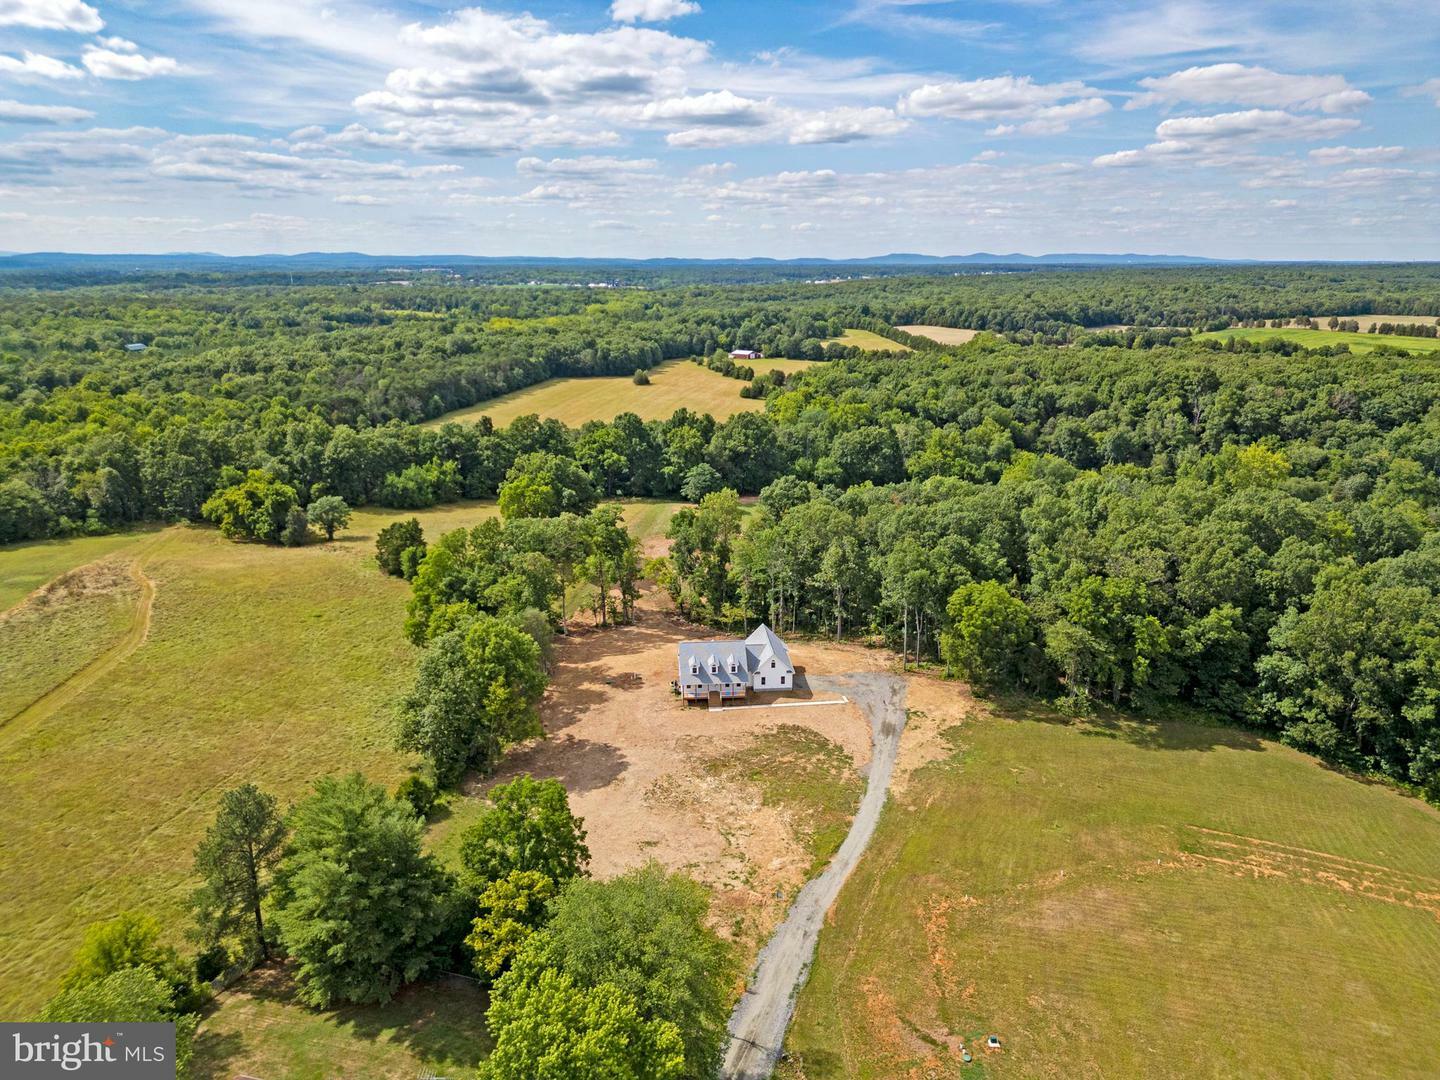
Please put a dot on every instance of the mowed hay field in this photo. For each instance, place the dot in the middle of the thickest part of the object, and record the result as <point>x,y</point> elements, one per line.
<point>1314,339</point>
<point>946,335</point>
<point>1122,898</point>
<point>119,733</point>
<point>675,384</point>
<point>866,339</point>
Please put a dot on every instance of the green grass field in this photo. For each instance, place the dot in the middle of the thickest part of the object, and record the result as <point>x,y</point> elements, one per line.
<point>1314,339</point>
<point>1122,898</point>
<point>259,1029</point>
<point>675,384</point>
<point>267,664</point>
<point>866,339</point>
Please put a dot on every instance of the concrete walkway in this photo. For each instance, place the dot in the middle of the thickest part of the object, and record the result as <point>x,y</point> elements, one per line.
<point>757,1026</point>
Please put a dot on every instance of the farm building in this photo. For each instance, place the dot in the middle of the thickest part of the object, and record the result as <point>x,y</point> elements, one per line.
<point>136,346</point>
<point>746,354</point>
<point>715,670</point>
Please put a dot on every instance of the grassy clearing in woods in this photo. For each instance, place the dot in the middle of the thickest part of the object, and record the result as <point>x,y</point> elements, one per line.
<point>675,384</point>
<point>866,339</point>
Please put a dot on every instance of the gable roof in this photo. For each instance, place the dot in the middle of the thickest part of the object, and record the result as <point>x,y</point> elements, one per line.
<point>749,655</point>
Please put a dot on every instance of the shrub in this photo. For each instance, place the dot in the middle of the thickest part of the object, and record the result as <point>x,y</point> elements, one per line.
<point>641,377</point>
<point>418,793</point>
<point>394,541</point>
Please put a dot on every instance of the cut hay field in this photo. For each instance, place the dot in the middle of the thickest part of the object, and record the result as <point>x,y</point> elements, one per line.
<point>1367,321</point>
<point>1314,339</point>
<point>1125,898</point>
<point>675,384</point>
<point>865,339</point>
<point>118,733</point>
<point>946,335</point>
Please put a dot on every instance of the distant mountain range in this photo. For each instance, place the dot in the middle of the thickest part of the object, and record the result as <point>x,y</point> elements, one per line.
<point>355,260</point>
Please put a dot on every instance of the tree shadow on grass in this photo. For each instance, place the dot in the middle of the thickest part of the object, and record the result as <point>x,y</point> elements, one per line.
<point>440,1021</point>
<point>1173,731</point>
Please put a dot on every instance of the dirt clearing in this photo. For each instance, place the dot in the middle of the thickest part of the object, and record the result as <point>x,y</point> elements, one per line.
<point>700,791</point>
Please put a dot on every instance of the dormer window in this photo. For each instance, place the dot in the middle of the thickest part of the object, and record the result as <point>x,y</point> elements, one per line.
<point>694,668</point>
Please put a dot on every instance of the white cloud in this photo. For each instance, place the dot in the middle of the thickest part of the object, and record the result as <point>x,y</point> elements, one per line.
<point>1177,28</point>
<point>718,107</point>
<point>1215,138</point>
<point>121,59</point>
<point>1430,88</point>
<point>360,200</point>
<point>1232,83</point>
<point>845,124</point>
<point>20,113</point>
<point>588,165</point>
<point>51,15</point>
<point>36,66</point>
<point>1343,155</point>
<point>1019,104</point>
<point>1248,126</point>
<point>632,11</point>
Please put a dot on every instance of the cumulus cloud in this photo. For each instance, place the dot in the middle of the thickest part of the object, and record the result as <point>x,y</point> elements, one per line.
<point>1248,126</point>
<point>31,65</point>
<point>844,124</point>
<point>1220,84</point>
<point>17,112</point>
<point>51,15</point>
<point>718,107</point>
<point>1018,104</point>
<point>1214,137</point>
<point>632,11</point>
<point>117,58</point>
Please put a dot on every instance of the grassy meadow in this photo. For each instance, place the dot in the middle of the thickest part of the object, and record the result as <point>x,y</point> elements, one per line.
<point>1127,898</point>
<point>26,567</point>
<point>866,339</point>
<point>1314,339</point>
<point>273,665</point>
<point>675,384</point>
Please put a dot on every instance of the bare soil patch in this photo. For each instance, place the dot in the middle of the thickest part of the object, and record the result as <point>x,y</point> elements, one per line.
<point>639,766</point>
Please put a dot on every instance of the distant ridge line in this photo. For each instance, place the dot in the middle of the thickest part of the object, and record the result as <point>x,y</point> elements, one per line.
<point>355,260</point>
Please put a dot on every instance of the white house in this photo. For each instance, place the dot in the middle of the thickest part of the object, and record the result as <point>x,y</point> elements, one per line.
<point>716,670</point>
<point>746,354</point>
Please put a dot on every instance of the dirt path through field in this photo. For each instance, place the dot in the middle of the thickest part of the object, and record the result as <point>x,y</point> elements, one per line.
<point>757,1026</point>
<point>50,703</point>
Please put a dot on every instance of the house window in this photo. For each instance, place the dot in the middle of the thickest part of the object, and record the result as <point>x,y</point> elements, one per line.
<point>772,663</point>
<point>762,680</point>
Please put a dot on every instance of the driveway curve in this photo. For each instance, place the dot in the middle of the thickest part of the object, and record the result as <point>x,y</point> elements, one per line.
<point>757,1026</point>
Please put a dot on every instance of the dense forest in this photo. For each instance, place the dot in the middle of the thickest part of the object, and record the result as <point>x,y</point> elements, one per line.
<point>1131,518</point>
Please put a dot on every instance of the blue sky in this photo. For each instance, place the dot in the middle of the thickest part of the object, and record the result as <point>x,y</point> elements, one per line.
<point>721,128</point>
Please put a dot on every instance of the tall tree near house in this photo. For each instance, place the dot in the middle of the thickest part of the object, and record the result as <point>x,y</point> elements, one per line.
<point>475,692</point>
<point>612,561</point>
<point>357,899</point>
<point>236,860</point>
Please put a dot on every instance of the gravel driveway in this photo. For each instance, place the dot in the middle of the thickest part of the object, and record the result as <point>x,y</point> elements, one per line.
<point>757,1026</point>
